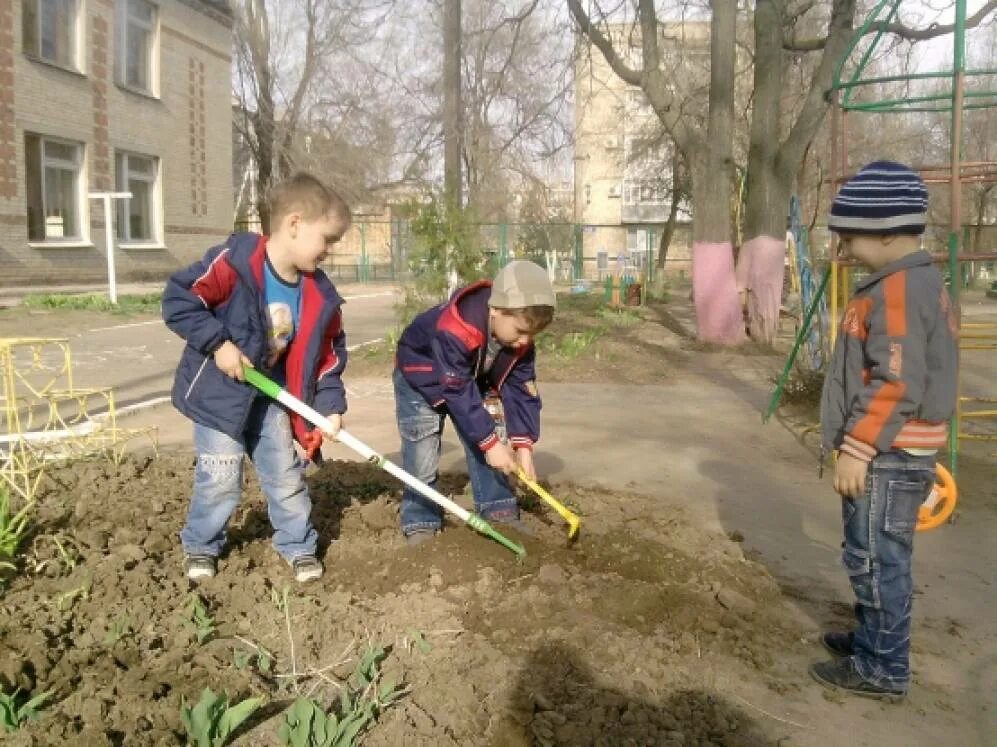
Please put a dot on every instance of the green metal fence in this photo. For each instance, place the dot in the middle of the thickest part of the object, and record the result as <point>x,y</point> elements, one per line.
<point>379,251</point>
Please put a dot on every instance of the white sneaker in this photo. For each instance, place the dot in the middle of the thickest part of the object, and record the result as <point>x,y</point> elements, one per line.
<point>307,568</point>
<point>198,566</point>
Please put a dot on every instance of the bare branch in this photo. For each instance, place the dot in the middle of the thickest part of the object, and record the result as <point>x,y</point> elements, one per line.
<point>898,29</point>
<point>602,42</point>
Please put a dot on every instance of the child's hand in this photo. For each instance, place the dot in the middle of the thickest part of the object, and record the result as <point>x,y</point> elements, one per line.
<point>525,459</point>
<point>849,475</point>
<point>230,360</point>
<point>311,442</point>
<point>500,457</point>
<point>336,423</point>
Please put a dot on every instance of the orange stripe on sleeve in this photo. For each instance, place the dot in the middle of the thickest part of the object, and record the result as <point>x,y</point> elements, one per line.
<point>895,297</point>
<point>883,403</point>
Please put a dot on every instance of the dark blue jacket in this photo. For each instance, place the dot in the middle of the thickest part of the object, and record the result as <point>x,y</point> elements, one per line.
<point>441,354</point>
<point>221,298</point>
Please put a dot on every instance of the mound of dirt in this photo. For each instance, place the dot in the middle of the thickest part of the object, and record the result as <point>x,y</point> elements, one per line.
<point>631,636</point>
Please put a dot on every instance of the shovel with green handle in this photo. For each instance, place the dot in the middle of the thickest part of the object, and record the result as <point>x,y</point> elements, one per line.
<point>274,391</point>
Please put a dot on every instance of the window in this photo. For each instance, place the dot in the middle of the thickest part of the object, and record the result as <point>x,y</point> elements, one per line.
<point>644,192</point>
<point>54,189</point>
<point>50,30</point>
<point>137,64</point>
<point>137,216</point>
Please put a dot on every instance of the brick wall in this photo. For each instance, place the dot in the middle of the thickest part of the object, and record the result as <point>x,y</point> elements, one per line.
<point>92,108</point>
<point>8,146</point>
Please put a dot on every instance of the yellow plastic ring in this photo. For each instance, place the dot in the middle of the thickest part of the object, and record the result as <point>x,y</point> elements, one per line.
<point>940,503</point>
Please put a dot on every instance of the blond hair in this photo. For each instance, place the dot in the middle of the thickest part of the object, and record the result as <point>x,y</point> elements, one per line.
<point>307,195</point>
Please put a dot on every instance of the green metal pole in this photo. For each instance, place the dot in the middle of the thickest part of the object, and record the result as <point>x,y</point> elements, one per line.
<point>650,254</point>
<point>800,337</point>
<point>579,261</point>
<point>958,87</point>
<point>364,269</point>
<point>503,244</point>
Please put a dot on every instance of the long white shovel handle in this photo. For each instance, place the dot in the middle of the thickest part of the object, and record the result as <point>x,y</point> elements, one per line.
<point>275,391</point>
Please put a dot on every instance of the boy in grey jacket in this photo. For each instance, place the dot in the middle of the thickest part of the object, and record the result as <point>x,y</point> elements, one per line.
<point>889,392</point>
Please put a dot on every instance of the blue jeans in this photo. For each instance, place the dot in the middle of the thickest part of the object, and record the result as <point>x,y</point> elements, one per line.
<point>879,534</point>
<point>218,484</point>
<point>421,429</point>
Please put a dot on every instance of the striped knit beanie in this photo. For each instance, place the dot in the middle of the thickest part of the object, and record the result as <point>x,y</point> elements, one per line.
<point>885,197</point>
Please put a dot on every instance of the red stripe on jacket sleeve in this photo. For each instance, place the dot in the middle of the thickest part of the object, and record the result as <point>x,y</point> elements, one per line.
<point>329,359</point>
<point>215,285</point>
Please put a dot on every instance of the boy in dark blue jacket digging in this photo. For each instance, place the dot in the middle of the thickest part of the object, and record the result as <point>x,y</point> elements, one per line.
<point>260,301</point>
<point>463,358</point>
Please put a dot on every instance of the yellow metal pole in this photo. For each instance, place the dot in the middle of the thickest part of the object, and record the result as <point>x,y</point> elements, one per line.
<point>834,301</point>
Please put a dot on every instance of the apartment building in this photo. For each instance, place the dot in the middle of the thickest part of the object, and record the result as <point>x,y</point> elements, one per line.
<point>623,157</point>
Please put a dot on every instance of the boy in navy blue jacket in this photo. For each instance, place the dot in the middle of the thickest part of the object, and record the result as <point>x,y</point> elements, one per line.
<point>456,358</point>
<point>260,301</point>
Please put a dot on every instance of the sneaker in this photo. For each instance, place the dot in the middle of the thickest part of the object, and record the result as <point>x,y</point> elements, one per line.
<point>307,568</point>
<point>838,644</point>
<point>418,536</point>
<point>842,675</point>
<point>198,566</point>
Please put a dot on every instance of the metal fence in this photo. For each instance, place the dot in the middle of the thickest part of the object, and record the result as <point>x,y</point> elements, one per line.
<point>374,251</point>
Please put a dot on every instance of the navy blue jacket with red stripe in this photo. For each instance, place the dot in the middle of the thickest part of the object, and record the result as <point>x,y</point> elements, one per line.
<point>221,298</point>
<point>441,355</point>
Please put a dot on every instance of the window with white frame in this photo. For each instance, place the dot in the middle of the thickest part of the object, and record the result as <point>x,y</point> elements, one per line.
<point>138,44</point>
<point>54,186</point>
<point>137,217</point>
<point>644,192</point>
<point>50,31</point>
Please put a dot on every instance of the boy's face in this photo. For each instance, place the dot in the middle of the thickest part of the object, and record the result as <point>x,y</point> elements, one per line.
<point>868,250</point>
<point>310,241</point>
<point>510,328</point>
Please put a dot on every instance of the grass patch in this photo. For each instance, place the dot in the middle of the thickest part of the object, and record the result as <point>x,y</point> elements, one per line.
<point>624,317</point>
<point>579,323</point>
<point>127,304</point>
<point>568,345</point>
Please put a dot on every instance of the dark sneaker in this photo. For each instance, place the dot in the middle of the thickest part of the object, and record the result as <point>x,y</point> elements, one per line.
<point>198,566</point>
<point>838,644</point>
<point>842,675</point>
<point>307,568</point>
<point>418,536</point>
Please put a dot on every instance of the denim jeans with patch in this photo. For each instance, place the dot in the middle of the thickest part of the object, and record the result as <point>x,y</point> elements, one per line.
<point>421,430</point>
<point>268,441</point>
<point>879,534</point>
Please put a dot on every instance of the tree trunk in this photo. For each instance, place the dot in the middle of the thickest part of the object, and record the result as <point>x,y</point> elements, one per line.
<point>452,102</point>
<point>667,234</point>
<point>718,315</point>
<point>263,128</point>
<point>769,178</point>
<point>773,163</point>
<point>257,30</point>
<point>678,191</point>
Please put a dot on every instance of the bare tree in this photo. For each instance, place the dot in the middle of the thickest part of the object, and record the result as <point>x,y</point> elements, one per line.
<point>516,96</point>
<point>283,51</point>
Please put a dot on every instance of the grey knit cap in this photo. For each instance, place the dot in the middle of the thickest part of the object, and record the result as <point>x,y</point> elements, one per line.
<point>520,284</point>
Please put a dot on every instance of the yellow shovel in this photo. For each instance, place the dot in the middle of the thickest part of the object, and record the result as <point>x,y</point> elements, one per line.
<point>573,521</point>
